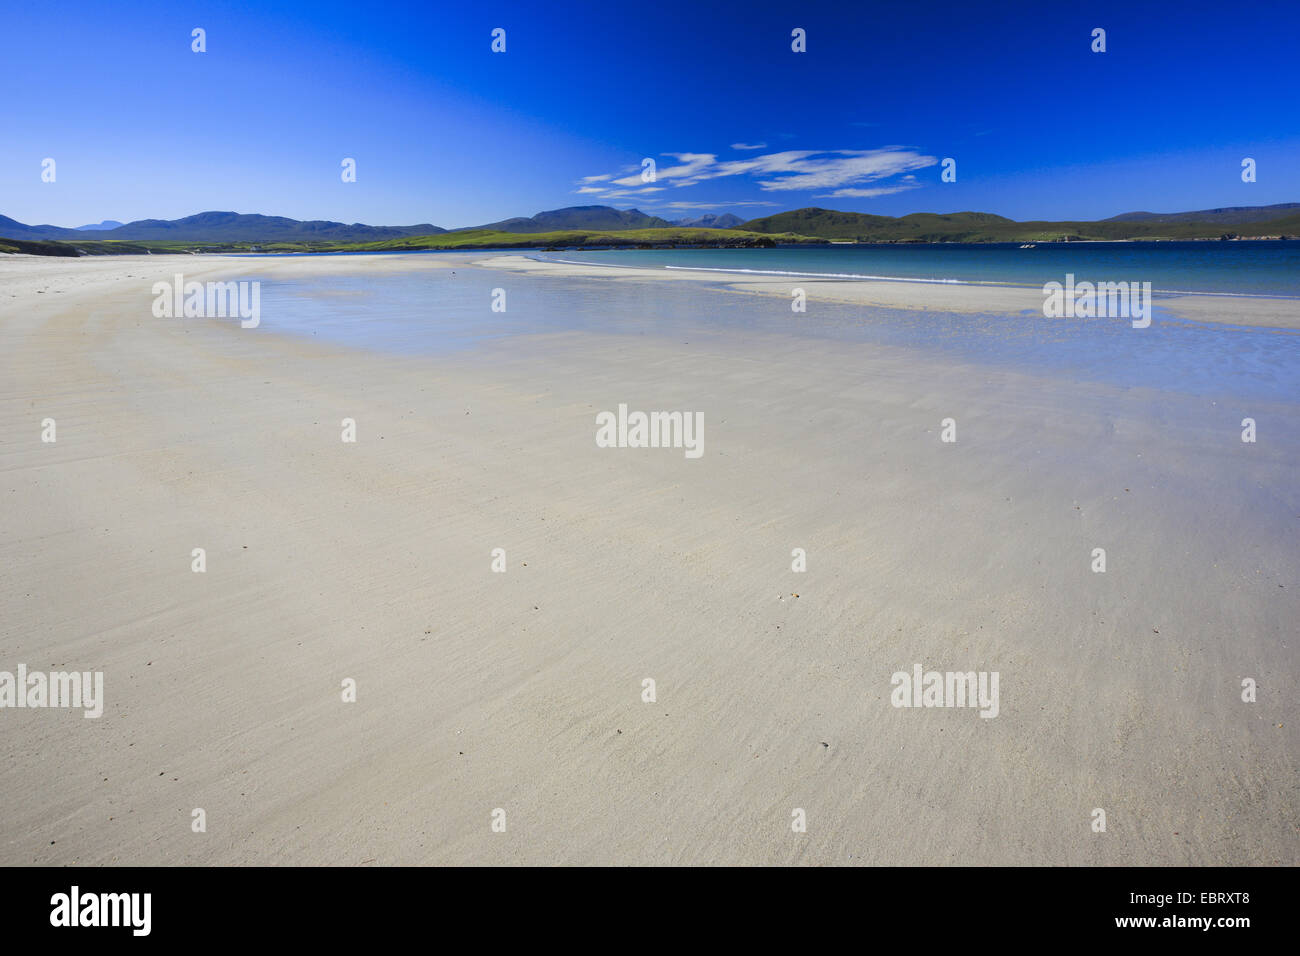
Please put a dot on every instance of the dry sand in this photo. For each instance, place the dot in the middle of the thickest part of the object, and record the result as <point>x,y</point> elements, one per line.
<point>523,690</point>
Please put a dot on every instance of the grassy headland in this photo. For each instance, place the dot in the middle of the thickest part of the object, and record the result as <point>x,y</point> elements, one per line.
<point>469,239</point>
<point>986,227</point>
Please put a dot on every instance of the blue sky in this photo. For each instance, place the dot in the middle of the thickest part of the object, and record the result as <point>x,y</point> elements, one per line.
<point>443,130</point>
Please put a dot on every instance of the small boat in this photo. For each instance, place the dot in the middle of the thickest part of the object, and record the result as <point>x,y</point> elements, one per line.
<point>1030,245</point>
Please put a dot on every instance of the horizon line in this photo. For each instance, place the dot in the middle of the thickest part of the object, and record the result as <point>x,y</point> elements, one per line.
<point>642,212</point>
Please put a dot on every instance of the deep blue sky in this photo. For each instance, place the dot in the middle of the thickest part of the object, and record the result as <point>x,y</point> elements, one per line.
<point>445,131</point>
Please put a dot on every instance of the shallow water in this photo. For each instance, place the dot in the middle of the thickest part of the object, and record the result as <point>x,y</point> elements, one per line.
<point>1255,267</point>
<point>430,313</point>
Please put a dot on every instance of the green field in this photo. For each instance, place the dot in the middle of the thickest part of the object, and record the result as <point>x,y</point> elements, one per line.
<point>471,239</point>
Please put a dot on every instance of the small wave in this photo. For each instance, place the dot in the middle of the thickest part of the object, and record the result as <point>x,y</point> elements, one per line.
<point>875,278</point>
<point>777,272</point>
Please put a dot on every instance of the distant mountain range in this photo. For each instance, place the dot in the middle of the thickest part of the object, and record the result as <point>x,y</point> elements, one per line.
<point>1280,220</point>
<point>605,219</point>
<point>1230,215</point>
<point>827,224</point>
<point>578,217</point>
<point>221,227</point>
<point>237,227</point>
<point>725,221</point>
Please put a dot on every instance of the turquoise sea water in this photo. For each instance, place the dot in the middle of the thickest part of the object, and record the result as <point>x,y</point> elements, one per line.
<point>440,312</point>
<point>1255,267</point>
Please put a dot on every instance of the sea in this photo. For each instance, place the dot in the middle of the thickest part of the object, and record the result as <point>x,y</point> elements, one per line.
<point>445,311</point>
<point>1241,267</point>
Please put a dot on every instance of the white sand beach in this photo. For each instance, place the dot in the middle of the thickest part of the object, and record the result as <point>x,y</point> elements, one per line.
<point>371,561</point>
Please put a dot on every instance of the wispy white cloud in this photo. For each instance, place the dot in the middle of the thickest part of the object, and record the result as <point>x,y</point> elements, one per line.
<point>632,193</point>
<point>748,146</point>
<point>849,172</point>
<point>867,193</point>
<point>718,205</point>
<point>805,171</point>
<point>689,168</point>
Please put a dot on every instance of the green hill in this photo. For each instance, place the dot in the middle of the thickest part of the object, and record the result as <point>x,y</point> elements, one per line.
<point>986,227</point>
<point>1228,215</point>
<point>230,232</point>
<point>221,227</point>
<point>674,237</point>
<point>586,238</point>
<point>600,218</point>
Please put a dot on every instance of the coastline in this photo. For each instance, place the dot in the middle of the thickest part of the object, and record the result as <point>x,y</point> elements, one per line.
<point>523,690</point>
<point>1265,312</point>
<point>1224,309</point>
